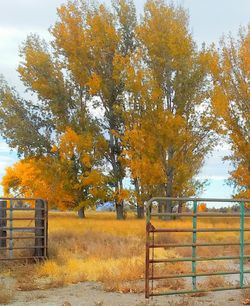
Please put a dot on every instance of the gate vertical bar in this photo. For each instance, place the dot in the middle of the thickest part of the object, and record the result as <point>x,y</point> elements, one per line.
<point>3,224</point>
<point>39,228</point>
<point>194,238</point>
<point>147,253</point>
<point>46,229</point>
<point>11,227</point>
<point>242,215</point>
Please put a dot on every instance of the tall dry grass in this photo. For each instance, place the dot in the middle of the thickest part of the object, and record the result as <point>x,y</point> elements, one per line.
<point>6,294</point>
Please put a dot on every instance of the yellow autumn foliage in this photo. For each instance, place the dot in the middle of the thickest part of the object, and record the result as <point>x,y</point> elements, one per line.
<point>231,103</point>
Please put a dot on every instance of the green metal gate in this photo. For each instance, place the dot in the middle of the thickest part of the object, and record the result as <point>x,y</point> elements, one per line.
<point>151,245</point>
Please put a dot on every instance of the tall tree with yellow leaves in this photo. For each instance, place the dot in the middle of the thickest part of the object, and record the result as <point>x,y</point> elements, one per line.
<point>138,92</point>
<point>231,101</point>
<point>97,45</point>
<point>71,178</point>
<point>79,70</point>
<point>169,124</point>
<point>31,178</point>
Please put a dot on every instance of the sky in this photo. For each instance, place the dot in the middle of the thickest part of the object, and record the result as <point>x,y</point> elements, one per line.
<point>209,20</point>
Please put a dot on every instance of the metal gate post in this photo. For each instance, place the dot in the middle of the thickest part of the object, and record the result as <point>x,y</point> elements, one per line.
<point>242,215</point>
<point>11,244</point>
<point>3,224</point>
<point>194,238</point>
<point>147,253</point>
<point>46,229</point>
<point>40,230</point>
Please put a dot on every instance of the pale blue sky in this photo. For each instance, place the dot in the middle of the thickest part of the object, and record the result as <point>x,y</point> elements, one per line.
<point>209,20</point>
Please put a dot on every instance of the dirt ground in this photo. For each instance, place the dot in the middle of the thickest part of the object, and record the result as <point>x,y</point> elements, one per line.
<point>92,294</point>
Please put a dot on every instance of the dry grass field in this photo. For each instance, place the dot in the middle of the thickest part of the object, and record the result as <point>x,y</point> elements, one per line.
<point>102,249</point>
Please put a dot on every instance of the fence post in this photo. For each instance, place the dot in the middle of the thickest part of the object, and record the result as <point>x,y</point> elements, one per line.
<point>46,228</point>
<point>147,251</point>
<point>242,215</point>
<point>194,238</point>
<point>39,228</point>
<point>3,223</point>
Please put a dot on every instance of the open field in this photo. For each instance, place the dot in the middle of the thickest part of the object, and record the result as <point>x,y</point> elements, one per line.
<point>90,257</point>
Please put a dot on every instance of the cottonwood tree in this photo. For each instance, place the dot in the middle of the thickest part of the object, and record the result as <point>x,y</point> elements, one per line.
<point>72,180</point>
<point>79,69</point>
<point>59,97</point>
<point>97,45</point>
<point>147,81</point>
<point>63,166</point>
<point>231,101</point>
<point>27,178</point>
<point>169,126</point>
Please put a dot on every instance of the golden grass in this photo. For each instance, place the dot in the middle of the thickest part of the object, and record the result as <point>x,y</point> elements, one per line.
<point>215,282</point>
<point>100,248</point>
<point>5,295</point>
<point>245,296</point>
<point>183,302</point>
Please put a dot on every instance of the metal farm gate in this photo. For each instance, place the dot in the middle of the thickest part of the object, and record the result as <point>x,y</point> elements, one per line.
<point>23,229</point>
<point>153,233</point>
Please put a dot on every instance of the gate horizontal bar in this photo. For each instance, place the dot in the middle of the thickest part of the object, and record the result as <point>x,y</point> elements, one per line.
<point>23,258</point>
<point>23,248</point>
<point>197,291</point>
<point>23,209</point>
<point>196,259</point>
<point>201,230</point>
<point>172,245</point>
<point>22,237</point>
<point>198,215</point>
<point>21,219</point>
<point>198,200</point>
<point>20,199</point>
<point>27,230</point>
<point>20,228</point>
<point>196,274</point>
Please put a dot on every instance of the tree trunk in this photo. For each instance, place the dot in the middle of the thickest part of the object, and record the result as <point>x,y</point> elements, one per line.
<point>81,213</point>
<point>180,207</point>
<point>140,211</point>
<point>115,152</point>
<point>119,211</point>
<point>169,191</point>
<point>139,206</point>
<point>160,209</point>
<point>167,209</point>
